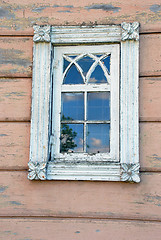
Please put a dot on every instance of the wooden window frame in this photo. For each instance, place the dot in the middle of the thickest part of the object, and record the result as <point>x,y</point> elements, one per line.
<point>126,168</point>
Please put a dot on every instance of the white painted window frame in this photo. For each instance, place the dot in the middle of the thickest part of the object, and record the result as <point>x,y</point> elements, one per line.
<point>40,164</point>
<point>112,87</point>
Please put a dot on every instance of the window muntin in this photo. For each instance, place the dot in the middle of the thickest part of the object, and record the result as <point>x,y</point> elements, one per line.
<point>86,102</point>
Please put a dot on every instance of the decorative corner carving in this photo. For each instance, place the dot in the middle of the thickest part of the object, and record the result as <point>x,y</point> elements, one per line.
<point>130,31</point>
<point>41,34</point>
<point>37,170</point>
<point>130,172</point>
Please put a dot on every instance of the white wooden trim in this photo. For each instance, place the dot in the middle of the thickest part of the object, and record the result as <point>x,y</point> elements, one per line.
<point>83,171</point>
<point>129,115</point>
<point>113,50</point>
<point>83,168</point>
<point>129,112</point>
<point>40,118</point>
<point>85,34</point>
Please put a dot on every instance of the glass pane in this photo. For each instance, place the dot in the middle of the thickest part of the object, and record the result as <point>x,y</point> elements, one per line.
<point>85,63</point>
<point>97,76</point>
<point>98,106</point>
<point>99,55</point>
<point>72,106</point>
<point>65,65</point>
<point>106,62</point>
<point>71,139</point>
<point>73,76</point>
<point>72,56</point>
<point>98,138</point>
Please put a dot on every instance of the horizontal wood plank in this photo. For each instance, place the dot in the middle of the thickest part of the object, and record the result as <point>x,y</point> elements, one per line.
<point>59,229</point>
<point>150,150</point>
<point>19,15</point>
<point>15,99</point>
<point>14,145</point>
<point>15,56</point>
<point>150,55</point>
<point>22,197</point>
<point>150,99</point>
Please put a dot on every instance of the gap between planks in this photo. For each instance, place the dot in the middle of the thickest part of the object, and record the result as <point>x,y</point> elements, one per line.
<point>30,34</point>
<point>96,218</point>
<point>14,169</point>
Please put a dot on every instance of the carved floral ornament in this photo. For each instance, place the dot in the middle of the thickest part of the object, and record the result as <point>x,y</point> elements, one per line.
<point>130,31</point>
<point>130,172</point>
<point>37,170</point>
<point>41,34</point>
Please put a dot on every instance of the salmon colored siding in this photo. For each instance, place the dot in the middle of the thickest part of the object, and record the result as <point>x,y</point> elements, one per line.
<point>80,210</point>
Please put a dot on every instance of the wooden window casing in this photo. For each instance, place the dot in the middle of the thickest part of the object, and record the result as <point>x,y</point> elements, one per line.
<point>121,163</point>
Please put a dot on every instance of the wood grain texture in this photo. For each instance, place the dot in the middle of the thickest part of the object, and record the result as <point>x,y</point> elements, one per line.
<point>150,55</point>
<point>21,197</point>
<point>14,145</point>
<point>15,99</point>
<point>150,150</point>
<point>150,99</point>
<point>21,15</point>
<point>81,229</point>
<point>15,56</point>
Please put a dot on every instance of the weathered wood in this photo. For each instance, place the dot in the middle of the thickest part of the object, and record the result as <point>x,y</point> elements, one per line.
<point>150,150</point>
<point>41,103</point>
<point>36,229</point>
<point>14,145</point>
<point>150,55</point>
<point>21,197</point>
<point>129,102</point>
<point>16,56</point>
<point>21,15</point>
<point>15,99</point>
<point>150,99</point>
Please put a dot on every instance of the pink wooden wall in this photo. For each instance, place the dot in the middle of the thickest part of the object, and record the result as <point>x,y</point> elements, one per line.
<point>68,210</point>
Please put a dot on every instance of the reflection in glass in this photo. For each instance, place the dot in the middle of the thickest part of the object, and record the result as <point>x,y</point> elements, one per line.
<point>65,65</point>
<point>73,76</point>
<point>85,63</point>
<point>71,138</point>
<point>106,62</point>
<point>73,106</point>
<point>98,106</point>
<point>72,56</point>
<point>99,55</point>
<point>98,76</point>
<point>98,138</point>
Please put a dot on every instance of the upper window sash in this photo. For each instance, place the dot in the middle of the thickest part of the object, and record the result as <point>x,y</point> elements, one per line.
<point>45,38</point>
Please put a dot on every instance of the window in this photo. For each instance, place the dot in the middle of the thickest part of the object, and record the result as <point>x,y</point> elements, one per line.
<point>84,123</point>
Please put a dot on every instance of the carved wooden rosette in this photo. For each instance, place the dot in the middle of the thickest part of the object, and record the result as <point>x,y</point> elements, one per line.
<point>130,31</point>
<point>41,34</point>
<point>130,172</point>
<point>37,170</point>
